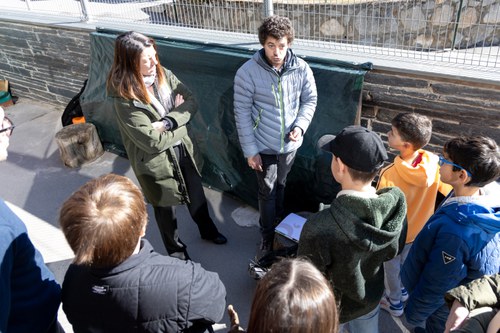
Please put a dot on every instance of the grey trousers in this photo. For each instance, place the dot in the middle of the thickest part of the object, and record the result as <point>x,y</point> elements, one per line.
<point>392,269</point>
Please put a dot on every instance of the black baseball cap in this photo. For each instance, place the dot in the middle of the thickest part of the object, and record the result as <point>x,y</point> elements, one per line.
<point>357,147</point>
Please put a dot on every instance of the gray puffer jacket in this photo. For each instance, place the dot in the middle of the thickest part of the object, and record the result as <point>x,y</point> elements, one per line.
<point>268,104</point>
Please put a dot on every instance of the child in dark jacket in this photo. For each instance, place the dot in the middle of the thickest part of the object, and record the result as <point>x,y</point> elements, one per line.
<point>362,228</point>
<point>117,283</point>
<point>461,241</point>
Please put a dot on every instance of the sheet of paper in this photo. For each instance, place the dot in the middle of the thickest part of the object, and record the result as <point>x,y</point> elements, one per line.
<point>291,226</point>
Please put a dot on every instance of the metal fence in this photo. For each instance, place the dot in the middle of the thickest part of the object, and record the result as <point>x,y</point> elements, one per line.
<point>453,33</point>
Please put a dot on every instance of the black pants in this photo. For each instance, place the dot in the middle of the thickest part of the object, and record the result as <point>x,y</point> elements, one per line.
<point>271,182</point>
<point>198,207</point>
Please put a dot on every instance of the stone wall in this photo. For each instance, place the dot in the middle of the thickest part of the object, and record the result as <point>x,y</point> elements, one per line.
<point>414,25</point>
<point>50,64</point>
<point>47,64</point>
<point>456,107</point>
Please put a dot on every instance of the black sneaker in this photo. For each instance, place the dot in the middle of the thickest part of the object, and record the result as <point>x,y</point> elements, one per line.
<point>219,239</point>
<point>264,249</point>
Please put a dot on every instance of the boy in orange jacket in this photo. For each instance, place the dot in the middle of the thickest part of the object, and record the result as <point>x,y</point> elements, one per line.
<point>416,172</point>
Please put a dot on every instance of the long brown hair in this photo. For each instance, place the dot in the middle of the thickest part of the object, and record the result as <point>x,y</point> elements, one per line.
<point>293,297</point>
<point>103,220</point>
<point>125,78</point>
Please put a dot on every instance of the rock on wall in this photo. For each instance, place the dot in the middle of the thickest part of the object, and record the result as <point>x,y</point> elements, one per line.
<point>43,63</point>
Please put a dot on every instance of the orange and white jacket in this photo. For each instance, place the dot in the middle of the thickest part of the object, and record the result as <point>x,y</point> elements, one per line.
<point>420,186</point>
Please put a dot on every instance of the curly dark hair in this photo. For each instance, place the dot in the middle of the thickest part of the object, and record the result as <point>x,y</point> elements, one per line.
<point>276,27</point>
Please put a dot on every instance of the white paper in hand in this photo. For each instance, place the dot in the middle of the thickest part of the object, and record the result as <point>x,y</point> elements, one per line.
<point>291,227</point>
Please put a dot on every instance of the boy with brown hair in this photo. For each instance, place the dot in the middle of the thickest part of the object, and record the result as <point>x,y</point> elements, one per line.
<point>362,228</point>
<point>416,172</point>
<point>117,282</point>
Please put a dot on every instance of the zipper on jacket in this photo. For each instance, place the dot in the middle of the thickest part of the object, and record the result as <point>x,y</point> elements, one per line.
<point>282,113</point>
<point>275,94</point>
<point>278,100</point>
<point>257,121</point>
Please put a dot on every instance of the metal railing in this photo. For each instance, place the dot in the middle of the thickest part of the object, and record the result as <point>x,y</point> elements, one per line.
<point>453,33</point>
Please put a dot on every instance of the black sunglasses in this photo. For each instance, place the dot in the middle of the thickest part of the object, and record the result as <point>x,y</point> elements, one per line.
<point>10,126</point>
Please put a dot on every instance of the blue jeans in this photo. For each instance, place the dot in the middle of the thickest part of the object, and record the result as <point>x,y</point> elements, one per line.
<point>271,183</point>
<point>367,323</point>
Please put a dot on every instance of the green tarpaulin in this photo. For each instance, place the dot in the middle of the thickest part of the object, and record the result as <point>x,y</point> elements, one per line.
<point>208,70</point>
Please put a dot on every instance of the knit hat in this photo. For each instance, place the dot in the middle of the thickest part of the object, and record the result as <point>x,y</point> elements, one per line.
<point>357,147</point>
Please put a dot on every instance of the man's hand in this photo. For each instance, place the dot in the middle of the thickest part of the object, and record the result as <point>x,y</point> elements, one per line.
<point>255,162</point>
<point>295,134</point>
<point>458,313</point>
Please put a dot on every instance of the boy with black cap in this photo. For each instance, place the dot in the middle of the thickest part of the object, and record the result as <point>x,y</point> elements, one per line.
<point>361,229</point>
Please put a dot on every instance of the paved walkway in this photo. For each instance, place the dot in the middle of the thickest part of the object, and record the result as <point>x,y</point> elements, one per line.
<point>35,182</point>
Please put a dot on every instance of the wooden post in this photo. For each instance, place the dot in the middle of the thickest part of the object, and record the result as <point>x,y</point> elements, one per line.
<point>79,144</point>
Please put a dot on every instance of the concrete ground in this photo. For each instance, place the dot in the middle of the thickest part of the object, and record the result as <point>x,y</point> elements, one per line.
<point>35,182</point>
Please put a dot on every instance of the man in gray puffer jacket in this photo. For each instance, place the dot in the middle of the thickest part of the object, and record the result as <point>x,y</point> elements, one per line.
<point>274,101</point>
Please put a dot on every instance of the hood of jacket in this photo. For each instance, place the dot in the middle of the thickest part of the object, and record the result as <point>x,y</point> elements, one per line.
<point>425,174</point>
<point>377,222</point>
<point>290,61</point>
<point>482,211</point>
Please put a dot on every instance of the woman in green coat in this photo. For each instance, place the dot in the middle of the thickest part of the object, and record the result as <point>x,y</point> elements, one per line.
<point>153,108</point>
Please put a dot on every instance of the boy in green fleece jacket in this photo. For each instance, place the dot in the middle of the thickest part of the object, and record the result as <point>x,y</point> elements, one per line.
<point>362,228</point>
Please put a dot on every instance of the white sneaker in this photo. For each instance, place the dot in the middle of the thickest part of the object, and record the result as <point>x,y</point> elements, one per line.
<point>395,309</point>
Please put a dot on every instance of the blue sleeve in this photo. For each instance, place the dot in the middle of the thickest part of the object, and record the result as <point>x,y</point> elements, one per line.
<point>443,270</point>
<point>6,263</point>
<point>24,278</point>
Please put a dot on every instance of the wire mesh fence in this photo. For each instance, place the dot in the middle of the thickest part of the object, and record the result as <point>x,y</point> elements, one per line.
<point>451,32</point>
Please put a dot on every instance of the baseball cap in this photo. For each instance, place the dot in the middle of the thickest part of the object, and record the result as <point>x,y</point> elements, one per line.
<point>357,147</point>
